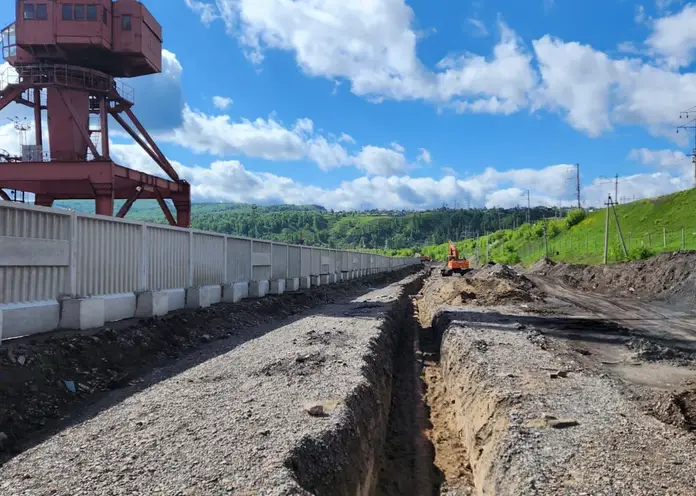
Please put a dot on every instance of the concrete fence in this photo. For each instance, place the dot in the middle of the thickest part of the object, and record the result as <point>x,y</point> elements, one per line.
<point>63,269</point>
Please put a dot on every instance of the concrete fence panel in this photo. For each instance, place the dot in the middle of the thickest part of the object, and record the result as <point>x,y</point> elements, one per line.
<point>238,259</point>
<point>339,261</point>
<point>279,262</point>
<point>109,255</point>
<point>208,259</point>
<point>35,252</point>
<point>169,251</point>
<point>261,261</point>
<point>324,269</point>
<point>316,262</point>
<point>306,262</point>
<point>294,261</point>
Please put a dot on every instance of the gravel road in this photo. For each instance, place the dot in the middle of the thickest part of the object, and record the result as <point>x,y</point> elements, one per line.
<point>231,424</point>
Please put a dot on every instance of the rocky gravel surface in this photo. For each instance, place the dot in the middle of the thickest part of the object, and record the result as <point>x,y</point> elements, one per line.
<point>45,378</point>
<point>223,423</point>
<point>535,422</point>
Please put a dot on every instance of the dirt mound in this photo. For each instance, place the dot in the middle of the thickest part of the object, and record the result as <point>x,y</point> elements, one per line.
<point>667,276</point>
<point>678,409</point>
<point>489,286</point>
<point>650,351</point>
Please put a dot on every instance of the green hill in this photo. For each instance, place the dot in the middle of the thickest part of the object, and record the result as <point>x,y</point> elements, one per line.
<point>648,226</point>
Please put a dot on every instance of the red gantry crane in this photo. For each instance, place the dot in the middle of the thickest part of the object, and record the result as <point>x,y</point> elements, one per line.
<point>66,56</point>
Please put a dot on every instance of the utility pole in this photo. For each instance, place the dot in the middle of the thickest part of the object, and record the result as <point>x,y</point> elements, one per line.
<point>616,189</point>
<point>577,183</point>
<point>529,207</point>
<point>606,231</point>
<point>690,125</point>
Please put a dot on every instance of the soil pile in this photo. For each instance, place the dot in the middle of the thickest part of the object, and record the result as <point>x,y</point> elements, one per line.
<point>677,409</point>
<point>668,276</point>
<point>489,286</point>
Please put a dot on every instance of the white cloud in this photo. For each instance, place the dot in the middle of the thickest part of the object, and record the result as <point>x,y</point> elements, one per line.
<point>347,138</point>
<point>204,10</point>
<point>229,180</point>
<point>668,159</point>
<point>269,139</point>
<point>373,46</point>
<point>674,37</point>
<point>640,14</point>
<point>222,102</point>
<point>380,161</point>
<point>424,156</point>
<point>478,28</point>
<point>397,147</point>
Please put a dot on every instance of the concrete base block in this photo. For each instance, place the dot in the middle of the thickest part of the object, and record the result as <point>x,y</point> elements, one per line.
<point>119,306</point>
<point>176,299</point>
<point>292,284</point>
<point>334,278</point>
<point>258,289</point>
<point>234,293</point>
<point>277,287</point>
<point>316,280</point>
<point>305,282</point>
<point>24,319</point>
<point>152,304</point>
<point>82,313</point>
<point>345,276</point>
<point>203,296</point>
<point>325,279</point>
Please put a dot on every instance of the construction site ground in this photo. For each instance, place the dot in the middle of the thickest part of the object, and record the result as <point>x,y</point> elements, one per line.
<point>549,383</point>
<point>557,380</point>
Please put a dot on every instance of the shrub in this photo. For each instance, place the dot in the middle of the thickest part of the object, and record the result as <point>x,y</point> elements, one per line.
<point>574,217</point>
<point>640,253</point>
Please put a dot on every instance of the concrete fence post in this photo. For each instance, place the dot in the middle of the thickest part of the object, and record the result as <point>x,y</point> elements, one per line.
<point>664,237</point>
<point>683,241</point>
<point>72,258</point>
<point>190,260</point>
<point>251,260</point>
<point>144,259</point>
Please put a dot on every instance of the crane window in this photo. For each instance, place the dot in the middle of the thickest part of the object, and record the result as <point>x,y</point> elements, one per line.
<point>67,12</point>
<point>79,12</point>
<point>41,11</point>
<point>29,12</point>
<point>105,16</point>
<point>126,23</point>
<point>91,12</point>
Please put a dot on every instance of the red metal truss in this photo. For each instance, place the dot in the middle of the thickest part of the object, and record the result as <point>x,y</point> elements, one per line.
<point>76,175</point>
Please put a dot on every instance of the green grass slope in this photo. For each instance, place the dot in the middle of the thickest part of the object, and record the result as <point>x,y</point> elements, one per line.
<point>666,223</point>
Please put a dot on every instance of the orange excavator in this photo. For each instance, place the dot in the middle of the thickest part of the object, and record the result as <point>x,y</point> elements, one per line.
<point>455,265</point>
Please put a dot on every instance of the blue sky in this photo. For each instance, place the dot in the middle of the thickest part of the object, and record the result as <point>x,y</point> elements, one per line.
<point>412,104</point>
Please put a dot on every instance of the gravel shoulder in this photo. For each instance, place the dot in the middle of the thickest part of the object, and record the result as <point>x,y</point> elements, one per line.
<point>257,419</point>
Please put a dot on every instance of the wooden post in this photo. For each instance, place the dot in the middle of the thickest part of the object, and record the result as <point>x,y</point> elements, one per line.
<point>683,244</point>
<point>664,237</point>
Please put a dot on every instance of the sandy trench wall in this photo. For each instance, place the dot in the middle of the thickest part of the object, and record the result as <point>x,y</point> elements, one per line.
<point>345,460</point>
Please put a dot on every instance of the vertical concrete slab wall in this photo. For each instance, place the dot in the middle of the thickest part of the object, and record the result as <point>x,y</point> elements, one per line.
<point>279,262</point>
<point>306,266</point>
<point>47,254</point>
<point>109,256</point>
<point>208,258</point>
<point>294,261</point>
<point>169,251</point>
<point>35,247</point>
<point>261,261</point>
<point>238,259</point>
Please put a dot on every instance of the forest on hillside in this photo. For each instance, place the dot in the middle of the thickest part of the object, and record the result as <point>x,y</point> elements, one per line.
<point>314,225</point>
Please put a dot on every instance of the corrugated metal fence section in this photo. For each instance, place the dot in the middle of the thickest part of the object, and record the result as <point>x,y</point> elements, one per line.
<point>46,253</point>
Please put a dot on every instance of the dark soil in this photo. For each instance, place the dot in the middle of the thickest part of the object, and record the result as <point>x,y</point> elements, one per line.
<point>668,276</point>
<point>44,378</point>
<point>678,409</point>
